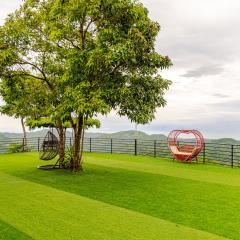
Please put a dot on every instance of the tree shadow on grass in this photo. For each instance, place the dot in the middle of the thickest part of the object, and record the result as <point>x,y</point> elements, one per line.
<point>8,232</point>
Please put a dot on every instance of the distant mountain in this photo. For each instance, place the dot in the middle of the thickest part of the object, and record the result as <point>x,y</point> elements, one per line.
<point>120,135</point>
<point>34,134</point>
<point>158,137</point>
<point>2,137</point>
<point>131,134</point>
<point>223,141</point>
<point>93,135</point>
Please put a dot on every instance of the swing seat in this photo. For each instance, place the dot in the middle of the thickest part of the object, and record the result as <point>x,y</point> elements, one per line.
<point>175,150</point>
<point>49,148</point>
<point>184,156</point>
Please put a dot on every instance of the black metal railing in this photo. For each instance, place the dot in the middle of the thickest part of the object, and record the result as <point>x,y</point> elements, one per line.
<point>223,154</point>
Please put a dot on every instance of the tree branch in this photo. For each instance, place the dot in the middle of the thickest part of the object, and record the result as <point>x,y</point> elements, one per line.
<point>72,122</point>
<point>44,78</point>
<point>88,26</point>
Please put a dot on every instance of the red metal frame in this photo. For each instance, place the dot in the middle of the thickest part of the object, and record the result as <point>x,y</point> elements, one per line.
<point>188,151</point>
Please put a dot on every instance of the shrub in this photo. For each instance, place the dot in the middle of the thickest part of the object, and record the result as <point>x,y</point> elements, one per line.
<point>15,148</point>
<point>68,158</point>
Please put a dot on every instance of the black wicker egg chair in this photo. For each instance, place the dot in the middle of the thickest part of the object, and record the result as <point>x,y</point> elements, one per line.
<point>49,150</point>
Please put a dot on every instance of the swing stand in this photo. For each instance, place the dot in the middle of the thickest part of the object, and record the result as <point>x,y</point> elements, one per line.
<point>50,166</point>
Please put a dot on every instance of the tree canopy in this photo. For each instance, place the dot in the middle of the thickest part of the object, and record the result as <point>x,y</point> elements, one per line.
<point>82,58</point>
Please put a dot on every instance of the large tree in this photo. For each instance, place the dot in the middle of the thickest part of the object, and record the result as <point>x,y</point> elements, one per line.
<point>91,56</point>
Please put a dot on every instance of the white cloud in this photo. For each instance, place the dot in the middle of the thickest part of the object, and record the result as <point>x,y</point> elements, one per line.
<point>7,7</point>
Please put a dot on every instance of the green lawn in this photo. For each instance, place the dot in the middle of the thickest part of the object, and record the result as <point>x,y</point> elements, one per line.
<point>118,197</point>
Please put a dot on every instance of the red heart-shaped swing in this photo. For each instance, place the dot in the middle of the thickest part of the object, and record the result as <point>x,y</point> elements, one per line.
<point>188,151</point>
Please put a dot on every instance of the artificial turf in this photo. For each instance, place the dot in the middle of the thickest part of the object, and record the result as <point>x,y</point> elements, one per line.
<point>118,197</point>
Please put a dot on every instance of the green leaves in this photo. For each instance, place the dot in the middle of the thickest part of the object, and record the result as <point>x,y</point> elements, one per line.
<point>141,96</point>
<point>49,122</point>
<point>81,58</point>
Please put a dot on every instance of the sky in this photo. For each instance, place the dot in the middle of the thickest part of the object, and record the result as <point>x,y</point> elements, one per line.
<point>202,39</point>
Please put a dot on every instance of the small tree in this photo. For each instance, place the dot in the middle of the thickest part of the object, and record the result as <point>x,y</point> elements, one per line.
<point>20,100</point>
<point>30,71</point>
<point>92,56</point>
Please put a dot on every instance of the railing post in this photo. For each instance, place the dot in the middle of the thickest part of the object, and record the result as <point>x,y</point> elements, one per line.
<point>38,144</point>
<point>135,147</point>
<point>232,146</point>
<point>204,152</point>
<point>111,146</point>
<point>90,144</point>
<point>155,148</point>
<point>23,145</point>
<point>70,141</point>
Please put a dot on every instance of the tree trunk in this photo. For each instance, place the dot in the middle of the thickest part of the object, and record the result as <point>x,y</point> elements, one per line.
<point>82,142</point>
<point>24,147</point>
<point>62,134</point>
<point>77,157</point>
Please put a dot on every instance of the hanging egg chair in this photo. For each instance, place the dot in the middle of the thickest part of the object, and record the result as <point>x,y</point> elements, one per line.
<point>49,148</point>
<point>187,151</point>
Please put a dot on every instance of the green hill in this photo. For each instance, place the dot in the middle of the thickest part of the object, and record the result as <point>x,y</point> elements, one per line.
<point>131,134</point>
<point>223,141</point>
<point>3,137</point>
<point>33,134</point>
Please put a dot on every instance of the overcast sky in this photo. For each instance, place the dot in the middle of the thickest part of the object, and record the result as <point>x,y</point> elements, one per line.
<point>203,40</point>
